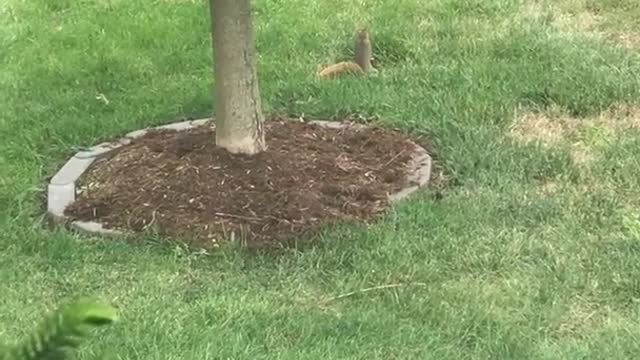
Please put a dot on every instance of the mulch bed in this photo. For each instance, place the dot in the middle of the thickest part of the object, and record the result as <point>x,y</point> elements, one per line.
<point>182,185</point>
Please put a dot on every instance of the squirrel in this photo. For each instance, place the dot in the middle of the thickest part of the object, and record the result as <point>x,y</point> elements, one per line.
<point>361,63</point>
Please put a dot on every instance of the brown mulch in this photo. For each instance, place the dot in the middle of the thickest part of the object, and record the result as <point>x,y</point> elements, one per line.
<point>182,185</point>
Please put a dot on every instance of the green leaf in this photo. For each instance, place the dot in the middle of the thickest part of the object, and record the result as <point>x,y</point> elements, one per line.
<point>63,330</point>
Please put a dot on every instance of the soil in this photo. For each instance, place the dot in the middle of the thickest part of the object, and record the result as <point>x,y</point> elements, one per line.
<point>181,185</point>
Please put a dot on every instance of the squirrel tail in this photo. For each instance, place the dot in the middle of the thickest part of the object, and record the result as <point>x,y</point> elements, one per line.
<point>344,67</point>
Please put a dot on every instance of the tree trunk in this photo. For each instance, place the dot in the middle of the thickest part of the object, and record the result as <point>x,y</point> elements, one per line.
<point>239,119</point>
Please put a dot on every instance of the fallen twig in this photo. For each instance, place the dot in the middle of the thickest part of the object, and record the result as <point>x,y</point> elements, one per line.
<point>366,290</point>
<point>250,218</point>
<point>391,160</point>
<point>153,220</point>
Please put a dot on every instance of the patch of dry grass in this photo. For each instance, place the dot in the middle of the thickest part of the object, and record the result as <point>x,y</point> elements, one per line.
<point>582,154</point>
<point>581,318</point>
<point>621,117</point>
<point>550,186</point>
<point>630,39</point>
<point>555,128</point>
<point>548,128</point>
<point>576,17</point>
<point>564,18</point>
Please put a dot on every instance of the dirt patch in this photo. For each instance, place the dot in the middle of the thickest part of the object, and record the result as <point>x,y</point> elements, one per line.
<point>181,184</point>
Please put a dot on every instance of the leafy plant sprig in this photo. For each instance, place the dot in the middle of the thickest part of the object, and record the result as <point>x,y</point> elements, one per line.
<point>61,331</point>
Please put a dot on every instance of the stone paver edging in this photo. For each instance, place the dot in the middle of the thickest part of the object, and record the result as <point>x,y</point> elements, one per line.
<point>61,191</point>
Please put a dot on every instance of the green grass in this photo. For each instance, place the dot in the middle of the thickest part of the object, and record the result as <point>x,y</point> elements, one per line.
<point>512,272</point>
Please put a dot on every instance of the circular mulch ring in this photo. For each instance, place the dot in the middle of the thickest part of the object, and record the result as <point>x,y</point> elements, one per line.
<point>174,180</point>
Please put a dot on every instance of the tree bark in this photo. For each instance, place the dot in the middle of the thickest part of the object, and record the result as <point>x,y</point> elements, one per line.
<point>239,118</point>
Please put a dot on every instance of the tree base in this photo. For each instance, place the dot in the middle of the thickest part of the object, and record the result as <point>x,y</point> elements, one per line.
<point>180,184</point>
<point>245,146</point>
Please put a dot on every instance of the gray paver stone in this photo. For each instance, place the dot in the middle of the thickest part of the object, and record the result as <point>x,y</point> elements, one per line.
<point>94,227</point>
<point>136,133</point>
<point>59,197</point>
<point>71,171</point>
<point>100,149</point>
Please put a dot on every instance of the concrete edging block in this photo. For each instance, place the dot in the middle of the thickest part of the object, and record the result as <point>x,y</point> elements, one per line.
<point>71,170</point>
<point>336,124</point>
<point>59,197</point>
<point>94,227</point>
<point>420,174</point>
<point>137,133</point>
<point>102,148</point>
<point>419,165</point>
<point>61,190</point>
<point>184,125</point>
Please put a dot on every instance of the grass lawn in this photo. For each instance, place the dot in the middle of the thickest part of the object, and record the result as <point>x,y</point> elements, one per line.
<point>530,251</point>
